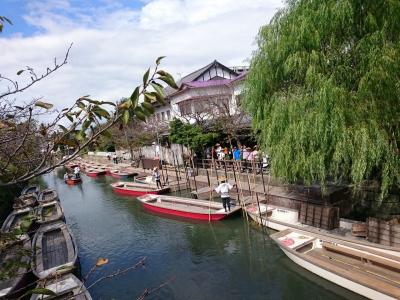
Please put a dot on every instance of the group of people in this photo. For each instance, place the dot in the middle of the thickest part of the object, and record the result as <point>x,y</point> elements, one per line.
<point>76,174</point>
<point>249,157</point>
<point>114,157</point>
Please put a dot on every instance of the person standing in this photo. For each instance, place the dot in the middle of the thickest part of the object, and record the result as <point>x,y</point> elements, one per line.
<point>223,189</point>
<point>77,172</point>
<point>157,177</point>
<point>236,153</point>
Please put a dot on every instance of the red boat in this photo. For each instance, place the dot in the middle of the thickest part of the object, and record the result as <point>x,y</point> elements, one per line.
<point>186,207</point>
<point>95,172</point>
<point>137,189</point>
<point>73,181</point>
<point>122,174</point>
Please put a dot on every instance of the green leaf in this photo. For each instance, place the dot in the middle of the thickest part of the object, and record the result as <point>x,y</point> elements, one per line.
<point>40,291</point>
<point>140,116</point>
<point>148,107</point>
<point>100,112</point>
<point>20,72</point>
<point>63,128</point>
<point>81,105</point>
<point>149,97</point>
<point>169,80</point>
<point>135,97</point>
<point>158,60</point>
<point>125,105</point>
<point>44,105</point>
<point>69,117</point>
<point>86,125</point>
<point>125,117</point>
<point>107,134</point>
<point>157,88</point>
<point>146,77</point>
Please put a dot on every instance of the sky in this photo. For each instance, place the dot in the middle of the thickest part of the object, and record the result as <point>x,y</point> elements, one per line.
<point>115,41</point>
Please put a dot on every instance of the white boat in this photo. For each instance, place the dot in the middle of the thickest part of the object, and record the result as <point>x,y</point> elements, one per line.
<point>372,274</point>
<point>65,287</point>
<point>281,218</point>
<point>49,212</point>
<point>54,250</point>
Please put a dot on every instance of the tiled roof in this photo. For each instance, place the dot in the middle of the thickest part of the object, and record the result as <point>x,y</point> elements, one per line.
<point>193,76</point>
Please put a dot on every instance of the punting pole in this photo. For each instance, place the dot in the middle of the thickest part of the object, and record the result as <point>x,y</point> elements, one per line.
<point>194,174</point>
<point>258,202</point>
<point>262,178</point>
<point>209,199</point>
<point>226,174</point>
<point>216,172</point>
<point>187,176</point>
<point>242,202</point>
<point>176,172</point>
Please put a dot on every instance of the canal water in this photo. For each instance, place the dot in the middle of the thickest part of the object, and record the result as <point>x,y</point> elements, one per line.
<point>225,260</point>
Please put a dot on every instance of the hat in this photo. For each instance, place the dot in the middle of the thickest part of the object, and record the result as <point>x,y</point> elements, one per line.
<point>223,178</point>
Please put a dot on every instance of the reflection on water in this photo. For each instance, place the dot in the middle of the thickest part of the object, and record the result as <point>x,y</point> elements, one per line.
<point>224,260</point>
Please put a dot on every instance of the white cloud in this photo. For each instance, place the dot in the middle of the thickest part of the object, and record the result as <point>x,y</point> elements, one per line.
<point>112,48</point>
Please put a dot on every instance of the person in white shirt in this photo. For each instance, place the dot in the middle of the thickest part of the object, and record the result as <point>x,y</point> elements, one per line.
<point>77,172</point>
<point>224,189</point>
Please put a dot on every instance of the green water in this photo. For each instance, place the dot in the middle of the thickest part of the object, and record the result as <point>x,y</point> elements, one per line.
<point>224,260</point>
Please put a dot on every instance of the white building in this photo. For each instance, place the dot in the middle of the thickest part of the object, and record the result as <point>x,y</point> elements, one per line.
<point>202,95</point>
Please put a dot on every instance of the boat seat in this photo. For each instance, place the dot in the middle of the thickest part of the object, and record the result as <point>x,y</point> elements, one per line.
<point>388,263</point>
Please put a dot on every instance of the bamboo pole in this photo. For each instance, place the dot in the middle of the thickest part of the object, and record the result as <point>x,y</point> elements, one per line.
<point>209,198</point>
<point>176,172</point>
<point>258,202</point>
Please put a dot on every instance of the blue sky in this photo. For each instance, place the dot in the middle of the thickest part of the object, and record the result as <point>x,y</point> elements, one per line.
<point>114,42</point>
<point>18,11</point>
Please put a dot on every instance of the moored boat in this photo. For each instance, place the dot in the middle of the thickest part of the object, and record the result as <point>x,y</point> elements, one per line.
<point>48,195</point>
<point>122,174</point>
<point>372,274</point>
<point>186,207</point>
<point>30,189</point>
<point>49,212</point>
<point>17,218</point>
<point>18,258</point>
<point>137,189</point>
<point>65,287</point>
<point>54,250</point>
<point>73,181</point>
<point>281,218</point>
<point>27,200</point>
<point>95,172</point>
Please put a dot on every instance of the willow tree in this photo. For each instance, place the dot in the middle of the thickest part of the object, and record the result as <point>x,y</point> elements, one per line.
<point>324,92</point>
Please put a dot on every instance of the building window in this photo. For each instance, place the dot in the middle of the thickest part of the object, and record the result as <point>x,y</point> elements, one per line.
<point>168,115</point>
<point>185,108</point>
<point>163,116</point>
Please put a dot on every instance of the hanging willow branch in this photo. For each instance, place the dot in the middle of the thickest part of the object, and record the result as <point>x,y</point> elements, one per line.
<point>324,92</point>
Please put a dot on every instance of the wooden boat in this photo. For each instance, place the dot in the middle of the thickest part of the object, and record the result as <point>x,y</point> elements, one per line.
<point>95,172</point>
<point>73,181</point>
<point>122,174</point>
<point>16,218</point>
<point>54,250</point>
<point>65,287</point>
<point>18,255</point>
<point>137,189</point>
<point>30,189</point>
<point>186,207</point>
<point>48,195</point>
<point>27,200</point>
<point>372,274</point>
<point>49,212</point>
<point>281,218</point>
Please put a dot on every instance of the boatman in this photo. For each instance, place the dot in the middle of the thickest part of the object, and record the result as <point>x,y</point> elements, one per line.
<point>223,189</point>
<point>77,171</point>
<point>157,177</point>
